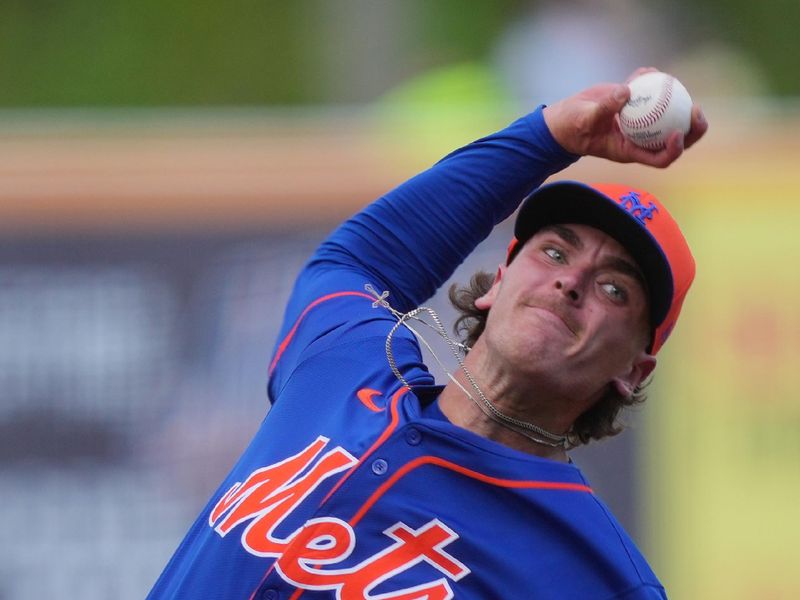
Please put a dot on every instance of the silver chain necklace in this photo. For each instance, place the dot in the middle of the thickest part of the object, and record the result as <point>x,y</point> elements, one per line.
<point>529,430</point>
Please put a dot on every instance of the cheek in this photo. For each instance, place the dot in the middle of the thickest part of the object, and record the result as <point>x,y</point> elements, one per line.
<point>617,329</point>
<point>630,337</point>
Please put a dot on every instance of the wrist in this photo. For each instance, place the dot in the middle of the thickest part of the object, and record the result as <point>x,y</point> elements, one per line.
<point>557,133</point>
<point>559,129</point>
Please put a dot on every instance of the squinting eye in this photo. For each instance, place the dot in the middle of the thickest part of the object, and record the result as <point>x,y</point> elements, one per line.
<point>556,254</point>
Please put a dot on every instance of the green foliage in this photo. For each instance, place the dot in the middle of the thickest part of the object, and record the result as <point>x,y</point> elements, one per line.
<point>464,29</point>
<point>242,52</point>
<point>763,30</point>
<point>767,30</point>
<point>284,52</point>
<point>154,52</point>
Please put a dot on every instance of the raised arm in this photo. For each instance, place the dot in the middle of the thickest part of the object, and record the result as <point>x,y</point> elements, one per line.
<point>412,239</point>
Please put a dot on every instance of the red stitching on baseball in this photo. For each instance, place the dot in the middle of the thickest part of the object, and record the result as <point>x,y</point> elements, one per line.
<point>657,111</point>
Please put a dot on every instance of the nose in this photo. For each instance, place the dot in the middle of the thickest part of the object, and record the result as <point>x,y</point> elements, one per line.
<point>569,285</point>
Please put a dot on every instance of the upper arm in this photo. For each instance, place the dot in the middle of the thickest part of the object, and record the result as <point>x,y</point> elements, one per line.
<point>411,240</point>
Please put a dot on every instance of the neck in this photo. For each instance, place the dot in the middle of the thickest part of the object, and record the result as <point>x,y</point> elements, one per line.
<point>511,398</point>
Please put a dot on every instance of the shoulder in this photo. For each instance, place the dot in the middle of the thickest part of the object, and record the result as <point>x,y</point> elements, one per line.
<point>613,538</point>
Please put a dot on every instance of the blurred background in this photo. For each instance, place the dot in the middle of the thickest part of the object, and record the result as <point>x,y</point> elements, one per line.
<point>167,166</point>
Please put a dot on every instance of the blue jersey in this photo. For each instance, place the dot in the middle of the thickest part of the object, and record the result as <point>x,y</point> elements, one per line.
<point>354,486</point>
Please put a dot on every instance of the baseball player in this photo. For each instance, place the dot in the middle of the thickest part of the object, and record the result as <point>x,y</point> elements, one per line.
<point>367,480</point>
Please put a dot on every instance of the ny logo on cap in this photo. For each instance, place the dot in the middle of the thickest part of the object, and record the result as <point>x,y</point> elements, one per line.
<point>633,204</point>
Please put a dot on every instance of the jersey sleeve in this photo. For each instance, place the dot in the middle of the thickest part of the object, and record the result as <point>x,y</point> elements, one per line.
<point>411,240</point>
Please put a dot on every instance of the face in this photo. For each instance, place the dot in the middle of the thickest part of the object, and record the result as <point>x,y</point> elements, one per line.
<point>570,314</point>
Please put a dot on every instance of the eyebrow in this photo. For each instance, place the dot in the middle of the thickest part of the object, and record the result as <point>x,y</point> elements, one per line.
<point>616,263</point>
<point>566,234</point>
<point>626,268</point>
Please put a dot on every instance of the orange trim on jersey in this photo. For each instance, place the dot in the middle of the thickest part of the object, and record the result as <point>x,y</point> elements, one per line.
<point>446,464</point>
<point>382,438</point>
<point>263,579</point>
<point>366,395</point>
<point>318,301</point>
<point>395,418</point>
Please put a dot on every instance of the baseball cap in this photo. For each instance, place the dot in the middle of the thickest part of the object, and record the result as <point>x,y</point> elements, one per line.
<point>633,217</point>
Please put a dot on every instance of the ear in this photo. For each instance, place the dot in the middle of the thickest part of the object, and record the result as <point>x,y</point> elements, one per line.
<point>640,370</point>
<point>486,301</point>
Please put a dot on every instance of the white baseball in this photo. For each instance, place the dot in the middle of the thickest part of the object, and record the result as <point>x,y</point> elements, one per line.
<point>659,104</point>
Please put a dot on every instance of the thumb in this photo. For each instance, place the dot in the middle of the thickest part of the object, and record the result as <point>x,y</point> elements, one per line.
<point>617,99</point>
